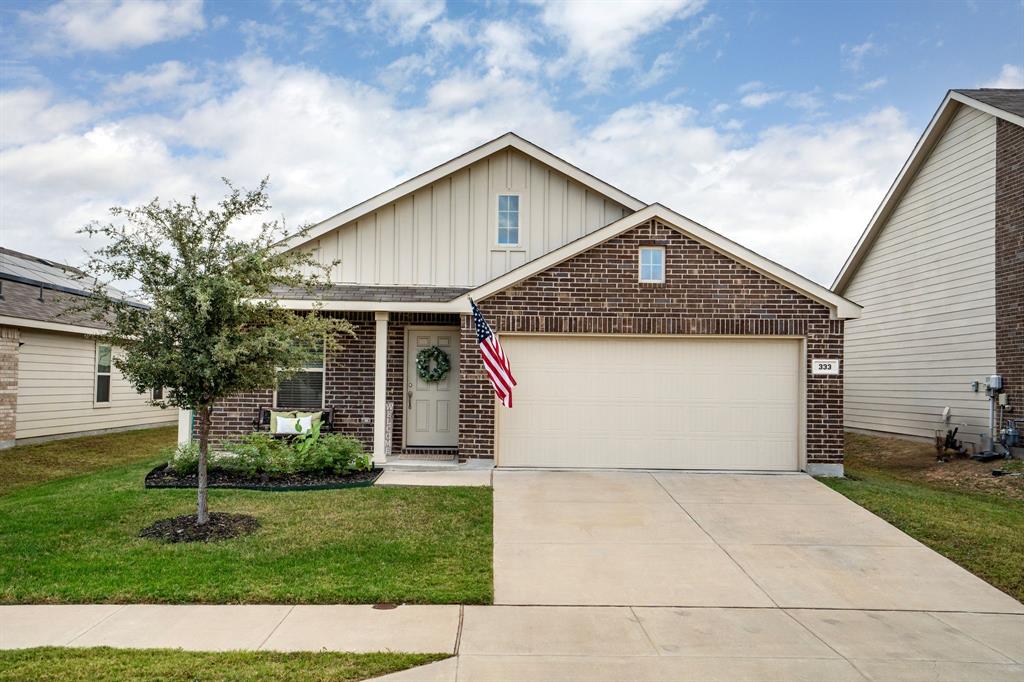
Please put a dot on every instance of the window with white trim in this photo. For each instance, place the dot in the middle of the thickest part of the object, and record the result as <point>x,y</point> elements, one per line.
<point>304,389</point>
<point>508,220</point>
<point>103,359</point>
<point>652,264</point>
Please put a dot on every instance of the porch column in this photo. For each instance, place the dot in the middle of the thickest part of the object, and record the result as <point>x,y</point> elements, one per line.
<point>184,426</point>
<point>380,386</point>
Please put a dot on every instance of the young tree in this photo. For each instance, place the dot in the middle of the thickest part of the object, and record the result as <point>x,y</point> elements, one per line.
<point>211,327</point>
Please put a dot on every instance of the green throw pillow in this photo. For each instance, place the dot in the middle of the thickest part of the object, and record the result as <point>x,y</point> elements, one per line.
<point>273,419</point>
<point>317,416</point>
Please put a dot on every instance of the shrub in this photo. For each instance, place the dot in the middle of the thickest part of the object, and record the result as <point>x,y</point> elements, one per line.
<point>183,459</point>
<point>313,452</point>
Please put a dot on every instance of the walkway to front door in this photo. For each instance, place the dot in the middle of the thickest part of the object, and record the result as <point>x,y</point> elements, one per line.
<point>431,408</point>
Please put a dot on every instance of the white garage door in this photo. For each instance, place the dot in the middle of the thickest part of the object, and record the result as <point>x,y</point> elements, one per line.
<point>651,402</point>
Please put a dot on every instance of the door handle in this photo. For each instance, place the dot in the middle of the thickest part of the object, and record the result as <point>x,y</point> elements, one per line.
<point>409,402</point>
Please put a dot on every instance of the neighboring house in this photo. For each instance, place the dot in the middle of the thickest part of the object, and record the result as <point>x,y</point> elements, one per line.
<point>940,273</point>
<point>56,380</point>
<point>638,337</point>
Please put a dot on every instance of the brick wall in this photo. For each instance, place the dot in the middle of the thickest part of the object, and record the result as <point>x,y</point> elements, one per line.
<point>704,293</point>
<point>9,338</point>
<point>1010,262</point>
<point>348,381</point>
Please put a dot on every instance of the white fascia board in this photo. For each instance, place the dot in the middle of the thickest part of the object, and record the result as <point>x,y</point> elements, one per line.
<point>25,323</point>
<point>458,163</point>
<point>841,308</point>
<point>929,138</point>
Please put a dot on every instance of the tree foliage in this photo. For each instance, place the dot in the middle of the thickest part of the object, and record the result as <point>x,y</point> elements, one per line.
<point>203,322</point>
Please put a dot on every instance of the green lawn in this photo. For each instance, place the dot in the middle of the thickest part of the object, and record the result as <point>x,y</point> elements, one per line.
<point>102,664</point>
<point>75,541</point>
<point>981,531</point>
<point>27,464</point>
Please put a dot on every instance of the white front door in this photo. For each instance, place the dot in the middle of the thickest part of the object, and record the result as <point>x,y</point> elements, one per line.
<point>431,408</point>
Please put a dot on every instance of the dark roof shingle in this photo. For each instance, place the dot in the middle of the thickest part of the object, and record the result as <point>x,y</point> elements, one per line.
<point>1008,100</point>
<point>362,292</point>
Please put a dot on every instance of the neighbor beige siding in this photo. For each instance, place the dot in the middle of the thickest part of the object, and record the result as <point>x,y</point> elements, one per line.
<point>56,385</point>
<point>446,234</point>
<point>927,287</point>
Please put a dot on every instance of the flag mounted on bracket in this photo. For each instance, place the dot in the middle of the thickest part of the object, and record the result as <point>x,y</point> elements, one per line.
<point>495,362</point>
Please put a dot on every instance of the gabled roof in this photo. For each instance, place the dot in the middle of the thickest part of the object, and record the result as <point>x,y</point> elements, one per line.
<point>459,301</point>
<point>841,307</point>
<point>506,141</point>
<point>1005,104</point>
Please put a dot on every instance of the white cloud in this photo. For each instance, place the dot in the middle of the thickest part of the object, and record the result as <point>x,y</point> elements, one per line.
<point>109,25</point>
<point>853,55</point>
<point>1011,76</point>
<point>600,35</point>
<point>874,84</point>
<point>660,68</point>
<point>159,81</point>
<point>32,115</point>
<point>750,86</point>
<point>404,18</point>
<point>756,100</point>
<point>506,47</point>
<point>808,101</point>
<point>798,194</point>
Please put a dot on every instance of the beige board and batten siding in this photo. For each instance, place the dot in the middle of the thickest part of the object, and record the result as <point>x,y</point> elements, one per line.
<point>56,388</point>
<point>928,290</point>
<point>445,234</point>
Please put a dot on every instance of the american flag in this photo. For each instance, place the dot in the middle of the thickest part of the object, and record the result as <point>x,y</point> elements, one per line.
<point>495,362</point>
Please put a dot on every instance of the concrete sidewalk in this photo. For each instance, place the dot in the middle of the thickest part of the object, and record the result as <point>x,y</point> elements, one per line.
<point>425,629</point>
<point>567,642</point>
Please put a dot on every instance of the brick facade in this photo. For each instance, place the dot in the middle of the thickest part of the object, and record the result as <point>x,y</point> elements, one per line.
<point>704,292</point>
<point>348,381</point>
<point>9,340</point>
<point>1010,263</point>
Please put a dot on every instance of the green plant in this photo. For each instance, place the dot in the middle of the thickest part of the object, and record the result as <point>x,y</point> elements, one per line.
<point>183,459</point>
<point>311,452</point>
<point>209,299</point>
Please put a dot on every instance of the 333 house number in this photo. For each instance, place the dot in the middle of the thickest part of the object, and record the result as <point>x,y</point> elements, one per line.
<point>820,366</point>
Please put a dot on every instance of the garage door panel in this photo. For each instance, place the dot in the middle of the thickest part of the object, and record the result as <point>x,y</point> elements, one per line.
<point>652,402</point>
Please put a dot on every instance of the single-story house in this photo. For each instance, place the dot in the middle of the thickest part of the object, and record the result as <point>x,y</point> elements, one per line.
<point>639,338</point>
<point>56,379</point>
<point>940,274</point>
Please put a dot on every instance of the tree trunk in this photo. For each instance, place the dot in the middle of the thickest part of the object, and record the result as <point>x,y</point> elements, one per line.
<point>205,413</point>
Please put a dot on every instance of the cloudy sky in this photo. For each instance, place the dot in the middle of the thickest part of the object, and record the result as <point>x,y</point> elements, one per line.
<point>778,124</point>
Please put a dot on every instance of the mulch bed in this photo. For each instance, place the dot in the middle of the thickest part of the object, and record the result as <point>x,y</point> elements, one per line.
<point>221,526</point>
<point>163,477</point>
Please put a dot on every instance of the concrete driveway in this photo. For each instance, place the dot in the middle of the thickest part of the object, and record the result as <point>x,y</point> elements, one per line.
<point>712,540</point>
<point>639,576</point>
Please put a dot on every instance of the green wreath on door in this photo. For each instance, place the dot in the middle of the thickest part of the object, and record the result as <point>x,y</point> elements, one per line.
<point>432,364</point>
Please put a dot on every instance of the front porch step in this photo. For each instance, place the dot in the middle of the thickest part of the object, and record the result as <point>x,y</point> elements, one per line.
<point>407,463</point>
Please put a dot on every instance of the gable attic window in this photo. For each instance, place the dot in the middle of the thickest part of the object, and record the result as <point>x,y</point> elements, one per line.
<point>652,264</point>
<point>304,389</point>
<point>508,220</point>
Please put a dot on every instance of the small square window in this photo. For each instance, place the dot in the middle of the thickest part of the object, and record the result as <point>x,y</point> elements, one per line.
<point>508,220</point>
<point>652,264</point>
